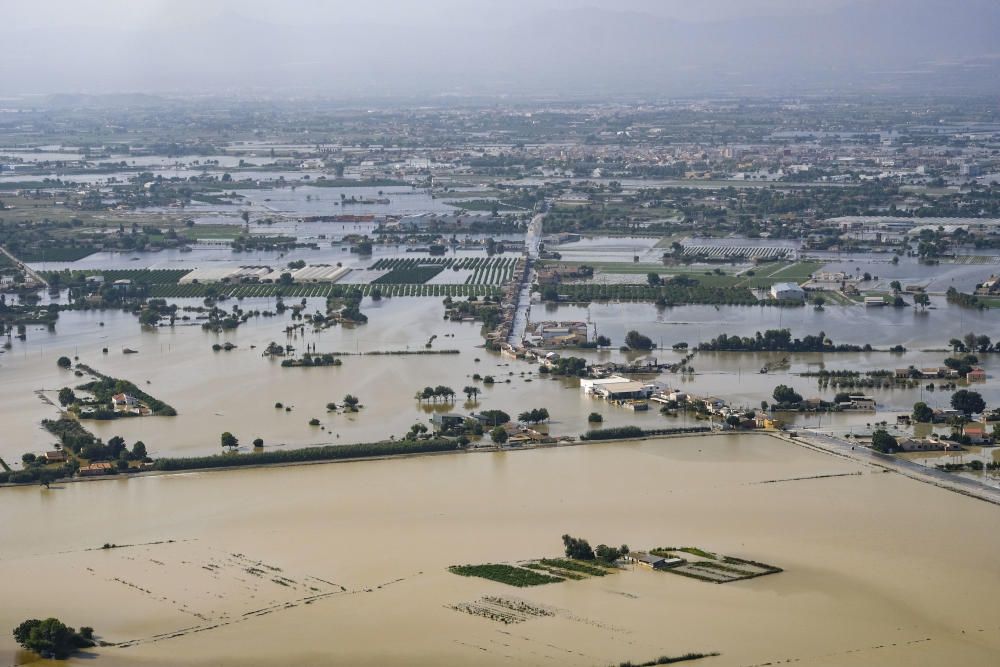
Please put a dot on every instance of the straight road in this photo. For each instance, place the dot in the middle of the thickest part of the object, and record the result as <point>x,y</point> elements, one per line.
<point>532,242</point>
<point>31,273</point>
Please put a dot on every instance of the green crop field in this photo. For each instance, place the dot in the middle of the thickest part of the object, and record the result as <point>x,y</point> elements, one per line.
<point>485,270</point>
<point>251,290</point>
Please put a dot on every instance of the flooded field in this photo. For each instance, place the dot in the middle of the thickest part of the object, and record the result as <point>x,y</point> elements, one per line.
<point>236,390</point>
<point>347,562</point>
<point>881,327</point>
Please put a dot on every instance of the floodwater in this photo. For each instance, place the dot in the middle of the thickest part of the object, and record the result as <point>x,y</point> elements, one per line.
<point>882,327</point>
<point>346,563</point>
<point>236,391</point>
<point>321,200</point>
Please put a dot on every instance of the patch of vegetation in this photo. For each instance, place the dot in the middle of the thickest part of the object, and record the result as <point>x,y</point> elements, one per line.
<point>52,638</point>
<point>310,360</point>
<point>667,660</point>
<point>777,340</point>
<point>104,387</point>
<point>505,574</point>
<point>625,432</point>
<point>326,453</point>
<point>574,566</point>
<point>413,275</point>
<point>669,293</point>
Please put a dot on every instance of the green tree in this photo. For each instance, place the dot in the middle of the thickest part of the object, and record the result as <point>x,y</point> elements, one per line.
<point>66,396</point>
<point>883,442</point>
<point>229,441</point>
<point>637,341</point>
<point>577,548</point>
<point>498,435</point>
<point>351,402</point>
<point>139,450</point>
<point>64,362</point>
<point>609,555</point>
<point>921,300</point>
<point>471,392</point>
<point>534,416</point>
<point>50,638</point>
<point>967,402</point>
<point>785,394</point>
<point>922,412</point>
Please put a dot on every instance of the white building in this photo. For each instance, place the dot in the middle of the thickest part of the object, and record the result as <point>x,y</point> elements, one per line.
<point>787,292</point>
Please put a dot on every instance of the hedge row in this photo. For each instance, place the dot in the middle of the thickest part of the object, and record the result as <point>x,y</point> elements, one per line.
<point>325,453</point>
<point>621,432</point>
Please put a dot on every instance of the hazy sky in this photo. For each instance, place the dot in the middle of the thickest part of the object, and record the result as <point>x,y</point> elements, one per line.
<point>59,14</point>
<point>509,47</point>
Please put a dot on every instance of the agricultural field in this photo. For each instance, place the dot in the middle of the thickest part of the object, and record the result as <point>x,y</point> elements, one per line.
<point>766,275</point>
<point>505,574</point>
<point>57,253</point>
<point>405,275</point>
<point>146,276</point>
<point>671,294</point>
<point>251,290</point>
<point>485,270</point>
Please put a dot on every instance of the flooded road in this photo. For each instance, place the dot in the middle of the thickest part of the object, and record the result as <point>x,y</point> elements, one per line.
<point>346,563</point>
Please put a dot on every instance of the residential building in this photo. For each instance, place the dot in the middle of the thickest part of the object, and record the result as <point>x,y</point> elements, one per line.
<point>124,402</point>
<point>975,431</point>
<point>445,421</point>
<point>95,469</point>
<point>55,456</point>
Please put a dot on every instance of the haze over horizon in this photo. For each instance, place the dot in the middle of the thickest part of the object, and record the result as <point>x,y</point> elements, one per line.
<point>391,48</point>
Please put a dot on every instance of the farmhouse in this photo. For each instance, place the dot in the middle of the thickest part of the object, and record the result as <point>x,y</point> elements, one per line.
<point>124,403</point>
<point>651,561</point>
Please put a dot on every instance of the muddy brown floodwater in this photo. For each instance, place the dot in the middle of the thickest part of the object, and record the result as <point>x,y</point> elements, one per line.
<point>347,563</point>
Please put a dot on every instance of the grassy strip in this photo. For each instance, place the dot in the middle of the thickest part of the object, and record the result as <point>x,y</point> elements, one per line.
<point>505,574</point>
<point>325,453</point>
<point>691,575</point>
<point>726,569</point>
<point>574,566</point>
<point>566,574</point>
